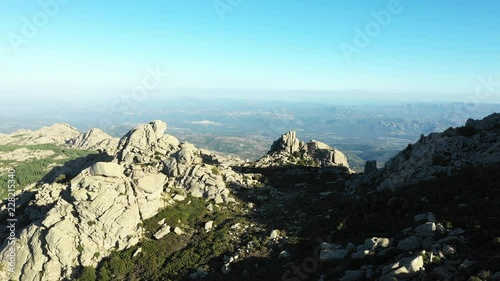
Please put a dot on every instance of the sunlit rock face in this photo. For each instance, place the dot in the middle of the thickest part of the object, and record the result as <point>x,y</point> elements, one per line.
<point>289,150</point>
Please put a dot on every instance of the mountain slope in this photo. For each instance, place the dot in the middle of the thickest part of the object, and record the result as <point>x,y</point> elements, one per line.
<point>475,144</point>
<point>160,209</point>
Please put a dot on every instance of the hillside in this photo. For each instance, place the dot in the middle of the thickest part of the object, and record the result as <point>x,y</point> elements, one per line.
<point>151,207</point>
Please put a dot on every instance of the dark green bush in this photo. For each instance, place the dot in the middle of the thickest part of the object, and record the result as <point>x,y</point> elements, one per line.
<point>88,274</point>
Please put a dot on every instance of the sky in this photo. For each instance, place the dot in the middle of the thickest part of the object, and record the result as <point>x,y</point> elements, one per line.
<point>388,49</point>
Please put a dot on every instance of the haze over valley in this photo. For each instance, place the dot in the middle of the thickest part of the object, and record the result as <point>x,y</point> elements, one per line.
<point>246,128</point>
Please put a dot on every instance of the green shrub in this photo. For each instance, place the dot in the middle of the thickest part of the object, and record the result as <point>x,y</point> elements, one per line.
<point>341,225</point>
<point>88,274</point>
<point>104,274</point>
<point>436,260</point>
<point>80,248</point>
<point>34,170</point>
<point>448,224</point>
<point>173,257</point>
<point>215,171</point>
<point>188,214</point>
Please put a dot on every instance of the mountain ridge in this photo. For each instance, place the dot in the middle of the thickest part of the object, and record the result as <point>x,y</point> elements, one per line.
<point>103,207</point>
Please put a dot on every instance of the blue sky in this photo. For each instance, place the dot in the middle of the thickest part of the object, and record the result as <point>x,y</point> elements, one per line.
<point>429,49</point>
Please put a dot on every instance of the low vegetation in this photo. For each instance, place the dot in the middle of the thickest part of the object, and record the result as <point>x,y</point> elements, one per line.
<point>175,256</point>
<point>32,171</point>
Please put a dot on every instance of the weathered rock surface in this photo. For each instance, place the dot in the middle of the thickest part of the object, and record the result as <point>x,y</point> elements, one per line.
<point>106,170</point>
<point>55,134</point>
<point>25,154</point>
<point>164,230</point>
<point>477,143</point>
<point>407,268</point>
<point>103,207</point>
<point>288,150</point>
<point>65,135</point>
<point>95,139</point>
<point>97,215</point>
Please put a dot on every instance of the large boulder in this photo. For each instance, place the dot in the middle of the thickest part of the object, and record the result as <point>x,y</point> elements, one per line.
<point>106,170</point>
<point>410,244</point>
<point>330,254</point>
<point>149,190</point>
<point>406,268</point>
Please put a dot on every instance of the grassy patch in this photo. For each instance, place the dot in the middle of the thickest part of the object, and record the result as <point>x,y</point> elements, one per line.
<point>187,214</point>
<point>34,170</point>
<point>175,256</point>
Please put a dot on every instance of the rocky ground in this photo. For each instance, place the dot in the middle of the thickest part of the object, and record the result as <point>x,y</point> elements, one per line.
<point>160,209</point>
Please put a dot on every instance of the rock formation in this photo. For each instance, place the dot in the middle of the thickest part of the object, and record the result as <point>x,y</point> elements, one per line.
<point>55,134</point>
<point>63,134</point>
<point>370,167</point>
<point>95,139</point>
<point>288,143</point>
<point>288,150</point>
<point>103,207</point>
<point>477,143</point>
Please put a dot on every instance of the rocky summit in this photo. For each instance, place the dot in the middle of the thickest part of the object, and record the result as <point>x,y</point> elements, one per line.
<point>289,150</point>
<point>152,207</point>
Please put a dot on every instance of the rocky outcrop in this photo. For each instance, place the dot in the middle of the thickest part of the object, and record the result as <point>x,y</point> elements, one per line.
<point>370,167</point>
<point>288,143</point>
<point>141,143</point>
<point>65,135</point>
<point>103,207</point>
<point>106,170</point>
<point>288,150</point>
<point>55,134</point>
<point>477,143</point>
<point>96,215</point>
<point>95,139</point>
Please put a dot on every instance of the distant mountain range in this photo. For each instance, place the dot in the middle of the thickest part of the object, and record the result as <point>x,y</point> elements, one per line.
<point>247,128</point>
